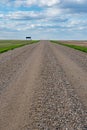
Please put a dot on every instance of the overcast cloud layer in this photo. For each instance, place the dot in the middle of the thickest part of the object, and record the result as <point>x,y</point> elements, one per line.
<point>43,19</point>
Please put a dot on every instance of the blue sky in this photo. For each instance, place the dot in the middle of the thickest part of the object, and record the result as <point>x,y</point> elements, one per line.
<point>43,19</point>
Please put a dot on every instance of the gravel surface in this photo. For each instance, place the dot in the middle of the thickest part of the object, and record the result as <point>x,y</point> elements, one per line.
<point>74,64</point>
<point>12,62</point>
<point>44,98</point>
<point>80,58</point>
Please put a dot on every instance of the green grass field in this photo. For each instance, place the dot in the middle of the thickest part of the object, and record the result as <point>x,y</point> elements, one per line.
<point>6,45</point>
<point>77,47</point>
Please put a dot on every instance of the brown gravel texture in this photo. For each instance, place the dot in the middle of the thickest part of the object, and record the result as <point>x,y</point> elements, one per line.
<point>43,87</point>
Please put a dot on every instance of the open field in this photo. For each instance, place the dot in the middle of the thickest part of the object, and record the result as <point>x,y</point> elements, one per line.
<point>43,86</point>
<point>74,42</point>
<point>78,45</point>
<point>6,45</point>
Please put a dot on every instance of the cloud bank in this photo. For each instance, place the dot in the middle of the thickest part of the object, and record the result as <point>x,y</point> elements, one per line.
<point>57,19</point>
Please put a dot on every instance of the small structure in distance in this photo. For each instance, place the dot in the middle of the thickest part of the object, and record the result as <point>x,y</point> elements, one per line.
<point>28,38</point>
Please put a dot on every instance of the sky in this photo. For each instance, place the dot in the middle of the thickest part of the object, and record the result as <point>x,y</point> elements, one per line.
<point>43,19</point>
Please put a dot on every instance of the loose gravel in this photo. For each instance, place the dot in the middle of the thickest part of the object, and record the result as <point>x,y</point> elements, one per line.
<point>55,105</point>
<point>12,62</point>
<point>51,102</point>
<point>77,56</point>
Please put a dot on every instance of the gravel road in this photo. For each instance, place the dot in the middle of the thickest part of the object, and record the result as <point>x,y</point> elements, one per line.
<point>43,86</point>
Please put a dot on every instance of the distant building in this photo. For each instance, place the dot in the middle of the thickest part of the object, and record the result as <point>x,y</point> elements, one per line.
<point>28,38</point>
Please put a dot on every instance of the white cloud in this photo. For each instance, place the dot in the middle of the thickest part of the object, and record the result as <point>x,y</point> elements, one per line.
<point>75,1</point>
<point>36,2</point>
<point>48,2</point>
<point>53,15</point>
<point>52,12</point>
<point>47,13</point>
<point>42,2</point>
<point>24,2</point>
<point>80,1</point>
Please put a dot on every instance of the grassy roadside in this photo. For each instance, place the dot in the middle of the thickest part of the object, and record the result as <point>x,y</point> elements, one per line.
<point>6,45</point>
<point>81,48</point>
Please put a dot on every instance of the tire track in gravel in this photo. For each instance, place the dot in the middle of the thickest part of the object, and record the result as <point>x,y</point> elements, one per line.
<point>12,62</point>
<point>74,64</point>
<point>16,99</point>
<point>55,105</point>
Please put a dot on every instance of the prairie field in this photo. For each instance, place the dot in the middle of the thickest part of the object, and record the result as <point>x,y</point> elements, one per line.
<point>6,45</point>
<point>78,45</point>
<point>74,42</point>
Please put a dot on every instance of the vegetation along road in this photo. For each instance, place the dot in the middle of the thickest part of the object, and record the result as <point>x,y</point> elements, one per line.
<point>43,86</point>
